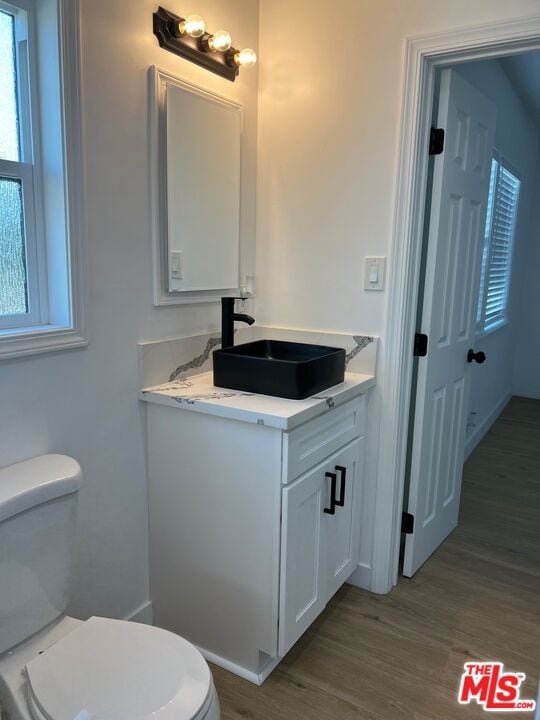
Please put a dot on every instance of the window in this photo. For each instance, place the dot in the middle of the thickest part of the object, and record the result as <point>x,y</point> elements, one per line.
<point>501,217</point>
<point>19,285</point>
<point>40,307</point>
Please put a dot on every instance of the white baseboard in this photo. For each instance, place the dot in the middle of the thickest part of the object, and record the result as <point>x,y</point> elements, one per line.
<point>143,614</point>
<point>485,425</point>
<point>361,577</point>
<point>530,394</point>
<point>253,677</point>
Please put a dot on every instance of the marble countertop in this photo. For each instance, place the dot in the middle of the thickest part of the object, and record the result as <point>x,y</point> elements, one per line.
<point>198,394</point>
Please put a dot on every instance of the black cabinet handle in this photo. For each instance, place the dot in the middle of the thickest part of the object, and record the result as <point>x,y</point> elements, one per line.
<point>479,357</point>
<point>332,509</point>
<point>343,470</point>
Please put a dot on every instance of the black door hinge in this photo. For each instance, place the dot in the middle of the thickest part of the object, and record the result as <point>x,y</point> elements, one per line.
<point>407,523</point>
<point>420,345</point>
<point>436,141</point>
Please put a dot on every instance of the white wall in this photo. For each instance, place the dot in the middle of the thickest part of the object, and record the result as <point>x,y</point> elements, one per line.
<point>527,361</point>
<point>516,139</point>
<point>330,101</point>
<point>84,403</point>
<point>330,95</point>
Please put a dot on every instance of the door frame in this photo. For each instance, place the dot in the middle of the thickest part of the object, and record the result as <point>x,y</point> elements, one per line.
<point>423,55</point>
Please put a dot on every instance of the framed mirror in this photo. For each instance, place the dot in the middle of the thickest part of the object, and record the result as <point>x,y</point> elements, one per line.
<point>196,182</point>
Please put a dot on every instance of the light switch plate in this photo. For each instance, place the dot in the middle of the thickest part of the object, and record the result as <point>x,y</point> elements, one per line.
<point>176,265</point>
<point>374,273</point>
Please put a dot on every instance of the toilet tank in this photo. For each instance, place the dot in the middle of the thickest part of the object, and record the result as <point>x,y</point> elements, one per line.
<point>38,502</point>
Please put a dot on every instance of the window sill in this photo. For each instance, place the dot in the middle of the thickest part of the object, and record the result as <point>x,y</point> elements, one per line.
<point>41,339</point>
<point>493,328</point>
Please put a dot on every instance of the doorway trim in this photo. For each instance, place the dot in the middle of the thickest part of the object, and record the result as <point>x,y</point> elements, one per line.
<point>423,55</point>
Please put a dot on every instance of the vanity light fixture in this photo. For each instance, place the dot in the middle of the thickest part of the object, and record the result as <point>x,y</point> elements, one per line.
<point>188,38</point>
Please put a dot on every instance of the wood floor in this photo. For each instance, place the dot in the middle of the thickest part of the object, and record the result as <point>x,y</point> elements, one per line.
<point>400,655</point>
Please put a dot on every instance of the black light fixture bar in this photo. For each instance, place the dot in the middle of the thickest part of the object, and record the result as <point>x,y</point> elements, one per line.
<point>166,30</point>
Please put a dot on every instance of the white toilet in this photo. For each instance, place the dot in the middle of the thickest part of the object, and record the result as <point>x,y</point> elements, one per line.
<point>54,667</point>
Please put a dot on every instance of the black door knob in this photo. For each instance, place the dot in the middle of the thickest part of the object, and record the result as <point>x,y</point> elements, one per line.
<point>479,357</point>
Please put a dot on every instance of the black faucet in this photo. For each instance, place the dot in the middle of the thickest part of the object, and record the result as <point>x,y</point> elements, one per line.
<point>228,317</point>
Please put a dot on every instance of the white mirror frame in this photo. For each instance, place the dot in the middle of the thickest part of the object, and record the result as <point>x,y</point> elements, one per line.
<point>158,81</point>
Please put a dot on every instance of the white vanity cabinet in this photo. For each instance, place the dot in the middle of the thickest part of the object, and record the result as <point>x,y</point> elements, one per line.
<point>246,544</point>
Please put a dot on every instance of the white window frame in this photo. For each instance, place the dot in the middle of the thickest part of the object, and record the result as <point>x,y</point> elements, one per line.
<point>481,328</point>
<point>55,320</point>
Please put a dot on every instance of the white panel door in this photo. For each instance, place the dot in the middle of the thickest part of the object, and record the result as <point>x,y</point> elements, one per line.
<point>302,581</point>
<point>342,530</point>
<point>458,211</point>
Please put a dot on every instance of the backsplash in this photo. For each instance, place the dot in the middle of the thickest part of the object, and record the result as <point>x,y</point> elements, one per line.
<point>164,360</point>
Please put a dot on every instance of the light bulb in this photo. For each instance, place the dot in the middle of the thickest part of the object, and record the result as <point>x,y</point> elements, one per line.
<point>221,41</point>
<point>193,25</point>
<point>246,57</point>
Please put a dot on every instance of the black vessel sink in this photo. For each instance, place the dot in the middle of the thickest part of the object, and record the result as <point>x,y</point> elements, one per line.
<point>282,369</point>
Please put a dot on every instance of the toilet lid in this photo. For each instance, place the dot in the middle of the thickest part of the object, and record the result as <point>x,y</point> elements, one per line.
<point>117,670</point>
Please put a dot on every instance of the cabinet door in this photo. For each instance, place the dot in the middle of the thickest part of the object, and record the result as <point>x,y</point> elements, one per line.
<point>302,578</point>
<point>319,550</point>
<point>342,531</point>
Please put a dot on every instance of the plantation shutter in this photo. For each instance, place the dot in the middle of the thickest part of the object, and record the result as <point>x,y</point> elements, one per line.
<point>500,227</point>
<point>487,237</point>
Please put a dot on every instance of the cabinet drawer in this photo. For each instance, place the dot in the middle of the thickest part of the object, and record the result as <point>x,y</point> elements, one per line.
<point>310,444</point>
